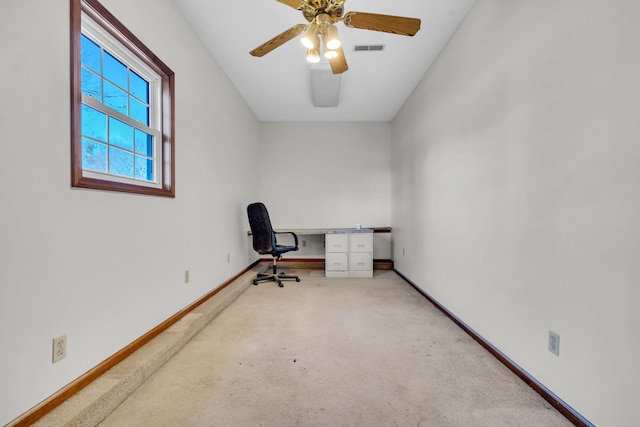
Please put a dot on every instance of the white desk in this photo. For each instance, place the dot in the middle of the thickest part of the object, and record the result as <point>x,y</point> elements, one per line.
<point>348,251</point>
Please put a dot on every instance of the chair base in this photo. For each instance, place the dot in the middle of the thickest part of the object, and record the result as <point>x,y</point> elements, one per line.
<point>274,276</point>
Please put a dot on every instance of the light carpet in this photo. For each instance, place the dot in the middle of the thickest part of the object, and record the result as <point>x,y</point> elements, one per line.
<point>333,352</point>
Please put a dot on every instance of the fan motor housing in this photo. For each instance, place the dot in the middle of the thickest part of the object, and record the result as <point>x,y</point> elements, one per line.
<point>334,10</point>
<point>319,4</point>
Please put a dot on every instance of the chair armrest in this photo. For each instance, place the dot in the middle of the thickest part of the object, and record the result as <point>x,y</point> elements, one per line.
<point>276,233</point>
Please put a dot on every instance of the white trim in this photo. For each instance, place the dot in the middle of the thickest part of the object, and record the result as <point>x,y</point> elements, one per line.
<point>94,103</point>
<point>119,179</point>
<point>101,37</point>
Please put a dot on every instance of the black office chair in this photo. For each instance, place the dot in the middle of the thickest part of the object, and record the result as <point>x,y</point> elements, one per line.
<point>265,242</point>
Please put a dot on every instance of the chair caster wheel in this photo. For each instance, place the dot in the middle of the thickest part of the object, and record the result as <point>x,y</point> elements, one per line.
<point>297,279</point>
<point>281,284</point>
<point>255,283</point>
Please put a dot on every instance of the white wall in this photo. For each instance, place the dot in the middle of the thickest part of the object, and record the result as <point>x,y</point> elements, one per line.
<point>105,267</point>
<point>515,191</point>
<point>337,174</point>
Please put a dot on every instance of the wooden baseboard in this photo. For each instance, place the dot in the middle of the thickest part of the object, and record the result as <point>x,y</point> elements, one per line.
<point>69,390</point>
<point>556,402</point>
<point>318,263</point>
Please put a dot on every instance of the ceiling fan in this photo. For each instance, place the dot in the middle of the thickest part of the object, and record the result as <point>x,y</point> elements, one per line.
<point>322,16</point>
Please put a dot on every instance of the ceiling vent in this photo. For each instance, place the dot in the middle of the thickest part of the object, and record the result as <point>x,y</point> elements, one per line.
<point>368,48</point>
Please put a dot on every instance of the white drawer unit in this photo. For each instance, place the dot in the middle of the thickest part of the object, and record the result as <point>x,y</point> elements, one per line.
<point>337,264</point>
<point>361,242</point>
<point>337,242</point>
<point>349,254</point>
<point>336,258</point>
<point>360,264</point>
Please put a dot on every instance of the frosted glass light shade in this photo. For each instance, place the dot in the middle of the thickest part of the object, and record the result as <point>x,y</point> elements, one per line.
<point>331,39</point>
<point>313,56</point>
<point>310,37</point>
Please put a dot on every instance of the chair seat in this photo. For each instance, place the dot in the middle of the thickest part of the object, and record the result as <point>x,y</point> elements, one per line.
<point>282,249</point>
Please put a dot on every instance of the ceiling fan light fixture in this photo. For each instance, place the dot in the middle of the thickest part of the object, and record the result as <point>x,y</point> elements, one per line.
<point>321,32</point>
<point>313,55</point>
<point>331,39</point>
<point>310,38</point>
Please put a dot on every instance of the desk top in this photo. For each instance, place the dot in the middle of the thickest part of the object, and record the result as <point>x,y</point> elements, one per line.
<point>307,231</point>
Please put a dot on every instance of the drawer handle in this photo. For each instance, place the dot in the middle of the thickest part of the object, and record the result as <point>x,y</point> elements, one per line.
<point>361,263</point>
<point>361,245</point>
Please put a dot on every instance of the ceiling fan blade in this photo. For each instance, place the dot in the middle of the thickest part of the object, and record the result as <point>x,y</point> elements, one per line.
<point>278,40</point>
<point>296,4</point>
<point>339,63</point>
<point>385,23</point>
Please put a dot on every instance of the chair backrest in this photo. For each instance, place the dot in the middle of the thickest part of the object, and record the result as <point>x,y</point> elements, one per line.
<point>260,228</point>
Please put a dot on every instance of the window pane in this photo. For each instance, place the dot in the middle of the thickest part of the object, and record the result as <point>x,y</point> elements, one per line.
<point>94,155</point>
<point>120,162</point>
<point>115,71</point>
<point>144,143</point>
<point>139,111</point>
<point>90,54</point>
<point>120,134</point>
<point>144,168</point>
<point>94,123</point>
<point>115,98</point>
<point>139,87</point>
<point>91,84</point>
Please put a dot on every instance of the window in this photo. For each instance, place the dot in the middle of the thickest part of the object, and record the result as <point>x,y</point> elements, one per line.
<point>122,121</point>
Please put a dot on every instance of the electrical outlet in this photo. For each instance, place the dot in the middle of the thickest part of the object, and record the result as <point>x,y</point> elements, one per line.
<point>228,258</point>
<point>59,348</point>
<point>186,276</point>
<point>304,243</point>
<point>554,343</point>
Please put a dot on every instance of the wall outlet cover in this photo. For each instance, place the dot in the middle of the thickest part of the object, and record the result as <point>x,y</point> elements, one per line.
<point>554,343</point>
<point>59,348</point>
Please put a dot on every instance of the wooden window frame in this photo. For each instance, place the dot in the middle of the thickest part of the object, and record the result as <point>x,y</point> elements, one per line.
<point>166,162</point>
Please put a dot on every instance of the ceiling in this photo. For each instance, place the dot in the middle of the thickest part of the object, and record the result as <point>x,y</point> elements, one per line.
<point>277,86</point>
